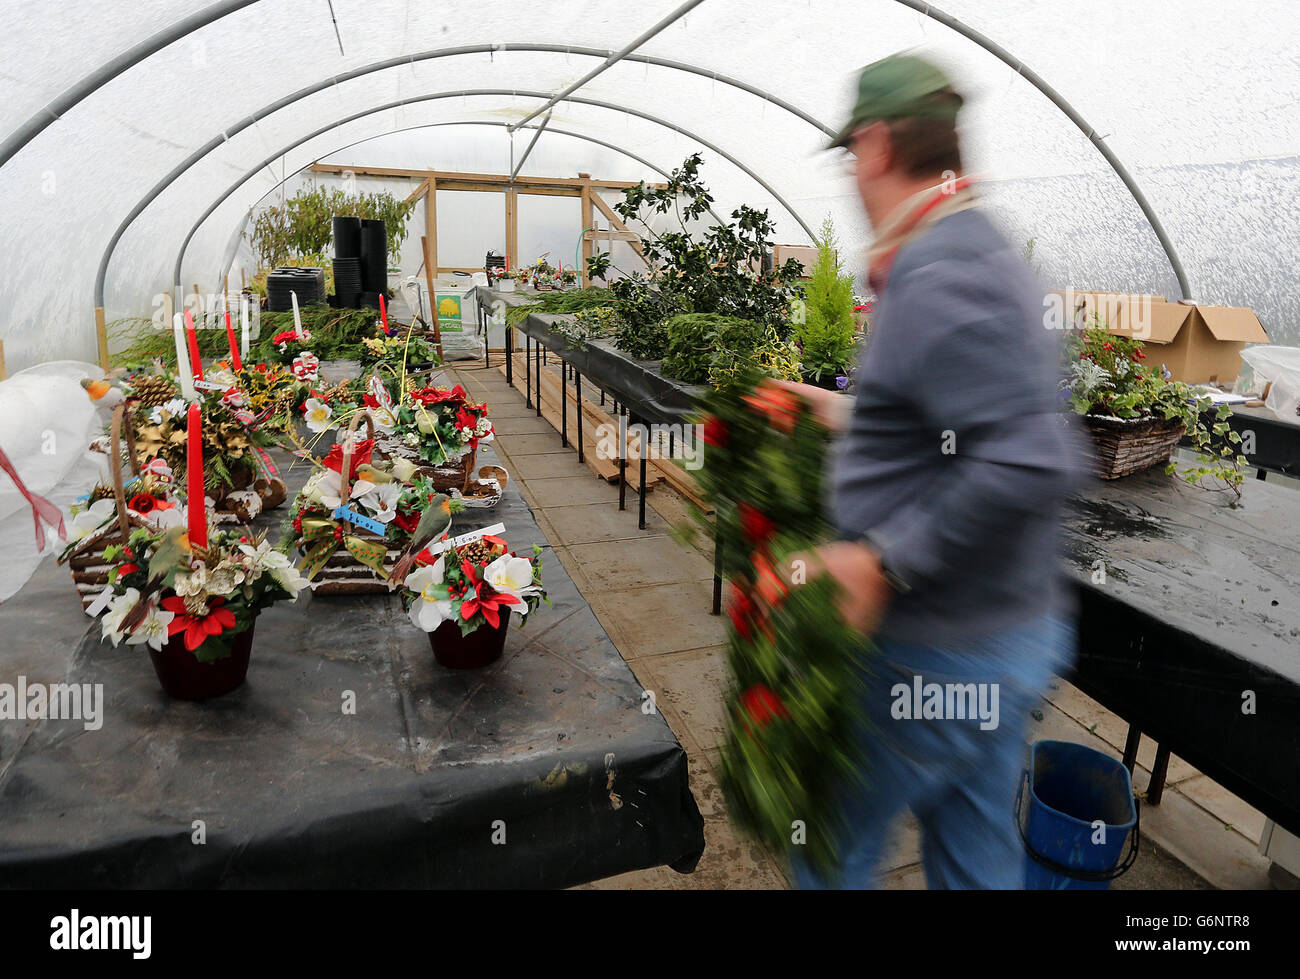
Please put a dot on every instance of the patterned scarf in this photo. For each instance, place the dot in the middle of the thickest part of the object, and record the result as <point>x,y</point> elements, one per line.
<point>909,219</point>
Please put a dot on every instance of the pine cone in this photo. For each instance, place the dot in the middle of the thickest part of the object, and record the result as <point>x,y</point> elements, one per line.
<point>101,492</point>
<point>152,390</point>
<point>476,552</point>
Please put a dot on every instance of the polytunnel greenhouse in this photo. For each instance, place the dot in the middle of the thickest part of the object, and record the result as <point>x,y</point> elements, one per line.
<point>674,445</point>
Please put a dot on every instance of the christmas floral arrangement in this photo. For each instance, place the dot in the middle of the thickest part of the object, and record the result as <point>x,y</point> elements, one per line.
<point>1108,379</point>
<point>473,584</point>
<point>568,277</point>
<point>232,446</point>
<point>162,585</point>
<point>439,426</point>
<point>351,530</point>
<point>403,347</point>
<point>795,668</point>
<point>151,501</point>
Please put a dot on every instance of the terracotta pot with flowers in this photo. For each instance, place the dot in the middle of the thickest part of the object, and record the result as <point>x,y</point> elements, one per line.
<point>463,596</point>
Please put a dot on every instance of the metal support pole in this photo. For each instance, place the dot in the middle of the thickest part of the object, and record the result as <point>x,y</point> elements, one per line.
<point>622,461</point>
<point>643,453</point>
<point>510,359</point>
<point>1156,788</point>
<point>564,406</point>
<point>538,371</point>
<point>1131,747</point>
<point>577,385</point>
<point>528,371</point>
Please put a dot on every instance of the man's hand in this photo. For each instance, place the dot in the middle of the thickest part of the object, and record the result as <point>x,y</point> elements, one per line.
<point>864,593</point>
<point>830,408</point>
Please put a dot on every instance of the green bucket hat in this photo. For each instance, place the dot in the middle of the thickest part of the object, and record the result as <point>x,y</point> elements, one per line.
<point>899,87</point>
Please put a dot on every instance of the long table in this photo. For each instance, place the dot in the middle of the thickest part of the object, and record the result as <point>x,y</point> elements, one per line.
<point>348,759</point>
<point>1189,607</point>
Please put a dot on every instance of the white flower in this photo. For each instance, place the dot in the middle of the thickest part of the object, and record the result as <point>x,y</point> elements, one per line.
<point>385,420</point>
<point>153,630</point>
<point>226,379</point>
<point>175,407</point>
<point>325,488</point>
<point>91,519</point>
<point>289,578</point>
<point>117,609</point>
<point>403,469</point>
<point>411,439</point>
<point>428,611</point>
<point>383,501</point>
<point>512,576</point>
<point>166,519</point>
<point>318,415</point>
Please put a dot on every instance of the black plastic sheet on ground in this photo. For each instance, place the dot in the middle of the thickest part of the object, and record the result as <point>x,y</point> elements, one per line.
<point>542,770</point>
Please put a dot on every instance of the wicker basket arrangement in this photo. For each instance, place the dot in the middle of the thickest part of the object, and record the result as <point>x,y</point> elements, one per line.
<point>341,554</point>
<point>1124,446</point>
<point>85,557</point>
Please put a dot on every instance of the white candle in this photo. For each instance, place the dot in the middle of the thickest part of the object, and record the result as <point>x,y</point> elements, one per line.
<point>183,370</point>
<point>297,320</point>
<point>243,326</point>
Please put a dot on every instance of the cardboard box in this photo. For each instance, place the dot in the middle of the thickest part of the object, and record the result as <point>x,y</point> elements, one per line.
<point>805,255</point>
<point>1198,343</point>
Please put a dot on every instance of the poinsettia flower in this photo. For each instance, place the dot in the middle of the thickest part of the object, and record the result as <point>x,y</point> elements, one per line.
<point>118,607</point>
<point>326,488</point>
<point>482,598</point>
<point>383,501</point>
<point>436,396</point>
<point>91,519</point>
<point>154,631</point>
<point>432,606</point>
<point>512,575</point>
<point>318,415</point>
<point>361,451</point>
<point>198,626</point>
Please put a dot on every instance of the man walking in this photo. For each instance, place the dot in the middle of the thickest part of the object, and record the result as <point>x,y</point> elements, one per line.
<point>952,466</point>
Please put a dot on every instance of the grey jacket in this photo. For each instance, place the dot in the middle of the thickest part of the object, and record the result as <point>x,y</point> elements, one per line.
<point>956,460</point>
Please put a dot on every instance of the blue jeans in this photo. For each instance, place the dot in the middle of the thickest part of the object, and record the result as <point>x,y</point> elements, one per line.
<point>957,773</point>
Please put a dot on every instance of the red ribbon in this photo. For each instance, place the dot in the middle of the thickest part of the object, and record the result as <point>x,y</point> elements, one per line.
<point>41,507</point>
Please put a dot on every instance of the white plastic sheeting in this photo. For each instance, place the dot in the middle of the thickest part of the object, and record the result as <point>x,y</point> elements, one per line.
<point>1200,99</point>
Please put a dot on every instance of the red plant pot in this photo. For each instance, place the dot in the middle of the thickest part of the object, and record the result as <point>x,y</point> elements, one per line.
<point>185,677</point>
<point>481,647</point>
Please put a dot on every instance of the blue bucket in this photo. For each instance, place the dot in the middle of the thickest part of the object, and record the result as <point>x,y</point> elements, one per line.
<point>1073,788</point>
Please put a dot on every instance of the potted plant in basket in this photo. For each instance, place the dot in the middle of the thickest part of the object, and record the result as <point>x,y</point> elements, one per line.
<point>193,604</point>
<point>1136,414</point>
<point>463,595</point>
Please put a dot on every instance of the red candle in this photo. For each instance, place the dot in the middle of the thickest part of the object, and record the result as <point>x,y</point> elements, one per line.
<point>198,511</point>
<point>193,340</point>
<point>383,314</point>
<point>234,347</point>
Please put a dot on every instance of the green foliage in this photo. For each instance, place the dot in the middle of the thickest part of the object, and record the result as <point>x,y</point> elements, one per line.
<point>713,272</point>
<point>336,334</point>
<point>796,669</point>
<point>568,301</point>
<point>825,329</point>
<point>301,226</point>
<point>1106,375</point>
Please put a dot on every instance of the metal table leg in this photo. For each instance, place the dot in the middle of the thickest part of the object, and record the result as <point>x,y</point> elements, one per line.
<point>622,462</point>
<point>577,385</point>
<point>717,574</point>
<point>537,369</point>
<point>1156,788</point>
<point>643,438</point>
<point>528,371</point>
<point>510,360</point>
<point>564,405</point>
<point>1131,747</point>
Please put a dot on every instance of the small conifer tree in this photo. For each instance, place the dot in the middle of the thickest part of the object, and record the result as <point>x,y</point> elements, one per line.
<point>826,333</point>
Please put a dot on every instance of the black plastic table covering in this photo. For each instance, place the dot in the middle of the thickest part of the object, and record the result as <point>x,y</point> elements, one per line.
<point>1193,634</point>
<point>541,770</point>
